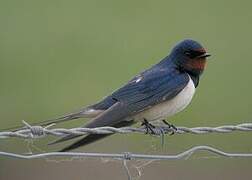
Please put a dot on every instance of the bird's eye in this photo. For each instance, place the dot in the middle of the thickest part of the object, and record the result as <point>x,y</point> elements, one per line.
<point>187,53</point>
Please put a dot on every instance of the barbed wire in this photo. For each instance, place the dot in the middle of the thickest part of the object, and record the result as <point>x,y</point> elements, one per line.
<point>38,131</point>
<point>31,132</point>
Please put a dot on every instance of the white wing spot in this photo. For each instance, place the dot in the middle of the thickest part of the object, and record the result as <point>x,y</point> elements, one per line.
<point>139,79</point>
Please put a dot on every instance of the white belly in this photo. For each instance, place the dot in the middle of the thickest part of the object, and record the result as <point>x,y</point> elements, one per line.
<point>166,109</point>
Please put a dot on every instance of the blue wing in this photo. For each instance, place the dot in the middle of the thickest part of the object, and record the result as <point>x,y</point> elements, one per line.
<point>147,89</point>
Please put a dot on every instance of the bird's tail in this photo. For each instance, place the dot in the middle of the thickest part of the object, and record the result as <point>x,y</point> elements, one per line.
<point>92,137</point>
<point>84,113</point>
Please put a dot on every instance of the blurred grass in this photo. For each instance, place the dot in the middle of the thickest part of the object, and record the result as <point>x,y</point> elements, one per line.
<point>58,56</point>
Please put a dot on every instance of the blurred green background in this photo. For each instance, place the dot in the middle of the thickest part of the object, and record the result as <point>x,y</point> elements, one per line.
<point>58,56</point>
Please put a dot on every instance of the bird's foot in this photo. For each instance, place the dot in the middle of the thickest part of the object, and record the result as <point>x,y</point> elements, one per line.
<point>150,128</point>
<point>153,130</point>
<point>171,126</point>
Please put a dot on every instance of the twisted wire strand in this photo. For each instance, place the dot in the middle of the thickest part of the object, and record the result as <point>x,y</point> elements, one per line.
<point>39,131</point>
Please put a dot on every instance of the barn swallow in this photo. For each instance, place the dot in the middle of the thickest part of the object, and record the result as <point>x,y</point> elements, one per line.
<point>155,94</point>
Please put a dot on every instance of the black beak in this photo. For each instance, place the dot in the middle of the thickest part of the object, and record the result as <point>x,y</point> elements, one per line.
<point>204,55</point>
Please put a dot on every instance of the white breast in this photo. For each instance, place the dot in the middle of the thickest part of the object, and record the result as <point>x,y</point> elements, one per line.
<point>166,109</point>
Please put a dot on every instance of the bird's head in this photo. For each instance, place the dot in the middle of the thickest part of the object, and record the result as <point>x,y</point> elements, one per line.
<point>190,56</point>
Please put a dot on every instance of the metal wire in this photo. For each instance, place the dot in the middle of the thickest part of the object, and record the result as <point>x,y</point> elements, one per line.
<point>128,155</point>
<point>32,132</point>
<point>39,131</point>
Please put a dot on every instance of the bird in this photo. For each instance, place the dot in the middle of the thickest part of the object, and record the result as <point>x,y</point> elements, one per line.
<point>155,94</point>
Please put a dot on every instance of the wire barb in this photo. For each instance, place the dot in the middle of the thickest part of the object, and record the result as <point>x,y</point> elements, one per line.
<point>32,132</point>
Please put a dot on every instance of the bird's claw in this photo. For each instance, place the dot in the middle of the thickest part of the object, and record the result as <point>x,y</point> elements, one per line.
<point>150,128</point>
<point>173,128</point>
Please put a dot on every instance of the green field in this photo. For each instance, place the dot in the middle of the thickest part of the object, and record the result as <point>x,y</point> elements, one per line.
<point>58,56</point>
